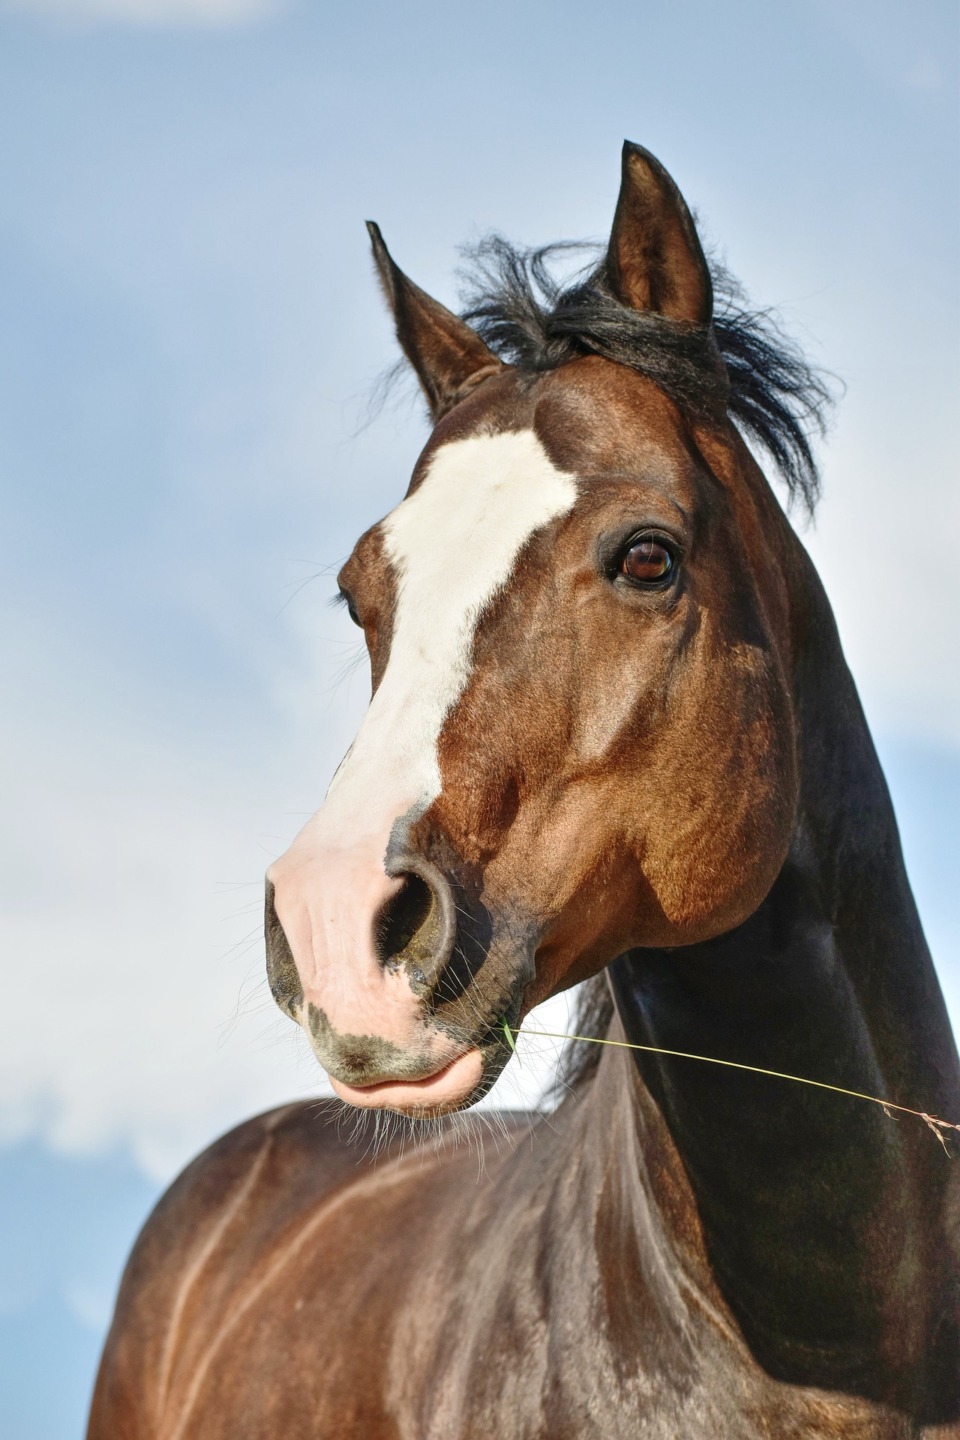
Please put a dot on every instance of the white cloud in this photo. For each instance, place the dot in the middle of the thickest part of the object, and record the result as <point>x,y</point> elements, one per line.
<point>131,930</point>
<point>154,13</point>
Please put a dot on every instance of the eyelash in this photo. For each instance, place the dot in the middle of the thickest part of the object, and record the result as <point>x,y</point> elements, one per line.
<point>342,598</point>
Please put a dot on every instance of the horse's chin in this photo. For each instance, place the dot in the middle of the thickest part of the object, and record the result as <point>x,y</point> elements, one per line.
<point>453,1087</point>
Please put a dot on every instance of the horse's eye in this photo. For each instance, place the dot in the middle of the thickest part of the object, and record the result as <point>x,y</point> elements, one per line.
<point>647,562</point>
<point>347,599</point>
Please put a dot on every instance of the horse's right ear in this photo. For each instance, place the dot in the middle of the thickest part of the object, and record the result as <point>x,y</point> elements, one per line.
<point>447,355</point>
<point>655,261</point>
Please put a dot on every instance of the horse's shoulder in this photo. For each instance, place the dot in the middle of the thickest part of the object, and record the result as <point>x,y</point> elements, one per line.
<point>225,1211</point>
<point>271,1164</point>
<point>253,1182</point>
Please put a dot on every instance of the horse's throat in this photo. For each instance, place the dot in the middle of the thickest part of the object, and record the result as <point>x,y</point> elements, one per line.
<point>821,1216</point>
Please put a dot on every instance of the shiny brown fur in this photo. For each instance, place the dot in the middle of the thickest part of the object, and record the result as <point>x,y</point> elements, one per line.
<point>676,786</point>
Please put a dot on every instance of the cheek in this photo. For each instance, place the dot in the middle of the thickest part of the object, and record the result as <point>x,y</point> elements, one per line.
<point>645,799</point>
<point>716,805</point>
<point>616,705</point>
<point>534,752</point>
<point>565,866</point>
<point>377,636</point>
<point>505,743</point>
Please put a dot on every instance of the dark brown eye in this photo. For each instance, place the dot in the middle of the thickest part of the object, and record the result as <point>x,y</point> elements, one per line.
<point>647,562</point>
<point>347,599</point>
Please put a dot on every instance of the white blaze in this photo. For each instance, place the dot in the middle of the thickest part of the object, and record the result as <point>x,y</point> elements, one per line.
<point>454,543</point>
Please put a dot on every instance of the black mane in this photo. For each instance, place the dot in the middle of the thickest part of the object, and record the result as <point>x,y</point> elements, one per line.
<point>742,364</point>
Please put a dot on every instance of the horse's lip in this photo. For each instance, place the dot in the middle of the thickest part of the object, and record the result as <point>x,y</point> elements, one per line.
<point>448,1088</point>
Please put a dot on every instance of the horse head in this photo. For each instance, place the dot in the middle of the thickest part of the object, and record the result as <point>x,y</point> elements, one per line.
<point>582,735</point>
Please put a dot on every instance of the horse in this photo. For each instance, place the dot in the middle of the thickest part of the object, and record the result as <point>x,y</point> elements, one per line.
<point>612,739</point>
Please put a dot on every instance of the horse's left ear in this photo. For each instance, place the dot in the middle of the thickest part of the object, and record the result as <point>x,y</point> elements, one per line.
<point>447,355</point>
<point>655,261</point>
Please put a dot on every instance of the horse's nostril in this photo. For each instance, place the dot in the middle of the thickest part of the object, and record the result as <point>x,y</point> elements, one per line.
<point>416,928</point>
<point>402,922</point>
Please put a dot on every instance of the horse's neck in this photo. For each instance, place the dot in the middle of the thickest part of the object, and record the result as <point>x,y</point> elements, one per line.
<point>823,1218</point>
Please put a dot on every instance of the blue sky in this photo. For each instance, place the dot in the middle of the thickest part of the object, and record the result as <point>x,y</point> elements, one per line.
<point>189,336</point>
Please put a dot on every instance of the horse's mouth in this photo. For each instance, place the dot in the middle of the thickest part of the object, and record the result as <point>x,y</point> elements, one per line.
<point>452,1087</point>
<point>450,1070</point>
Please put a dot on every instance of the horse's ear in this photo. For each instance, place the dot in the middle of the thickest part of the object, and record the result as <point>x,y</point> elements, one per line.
<point>655,261</point>
<point>447,355</point>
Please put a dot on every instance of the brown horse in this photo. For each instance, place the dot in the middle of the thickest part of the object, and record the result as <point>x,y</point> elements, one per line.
<point>612,734</point>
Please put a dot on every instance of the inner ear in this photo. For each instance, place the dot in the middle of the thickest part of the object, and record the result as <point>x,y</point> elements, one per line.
<point>655,260</point>
<point>447,355</point>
